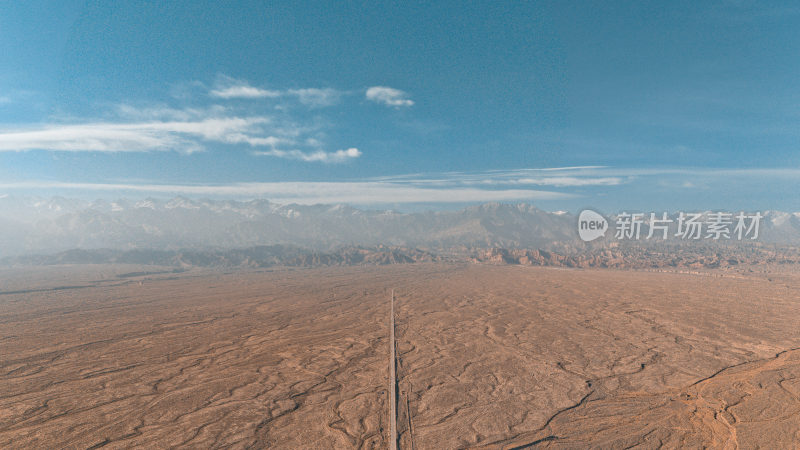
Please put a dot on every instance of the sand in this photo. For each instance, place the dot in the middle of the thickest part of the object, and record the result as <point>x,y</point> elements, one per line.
<point>488,357</point>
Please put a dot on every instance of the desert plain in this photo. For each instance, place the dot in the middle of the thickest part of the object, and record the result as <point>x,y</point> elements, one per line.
<point>116,356</point>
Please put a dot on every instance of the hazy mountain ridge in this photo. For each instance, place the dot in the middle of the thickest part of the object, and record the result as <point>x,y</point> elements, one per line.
<point>58,224</point>
<point>48,226</point>
<point>623,257</point>
<point>253,257</point>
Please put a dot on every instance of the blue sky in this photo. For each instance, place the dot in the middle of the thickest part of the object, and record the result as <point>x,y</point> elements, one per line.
<point>628,105</point>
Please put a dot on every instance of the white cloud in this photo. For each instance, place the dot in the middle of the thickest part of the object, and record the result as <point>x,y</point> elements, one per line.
<point>364,192</point>
<point>243,91</point>
<point>552,176</point>
<point>570,181</point>
<point>162,112</point>
<point>388,96</point>
<point>415,188</point>
<point>162,128</point>
<point>183,136</point>
<point>94,137</point>
<point>227,88</point>
<point>269,128</point>
<point>317,156</point>
<point>269,141</point>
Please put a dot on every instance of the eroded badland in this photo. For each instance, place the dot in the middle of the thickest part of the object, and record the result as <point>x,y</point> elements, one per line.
<point>487,356</point>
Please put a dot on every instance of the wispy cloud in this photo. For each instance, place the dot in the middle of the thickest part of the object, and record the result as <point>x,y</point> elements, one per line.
<point>182,136</point>
<point>449,187</point>
<point>317,156</point>
<point>364,193</point>
<point>570,181</point>
<point>316,98</point>
<point>388,96</point>
<point>161,112</point>
<point>552,176</point>
<point>244,92</point>
<point>227,88</point>
<point>231,88</point>
<point>280,133</point>
<point>275,129</point>
<point>186,136</point>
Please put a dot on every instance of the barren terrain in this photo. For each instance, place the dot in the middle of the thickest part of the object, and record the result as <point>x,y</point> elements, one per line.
<point>488,356</point>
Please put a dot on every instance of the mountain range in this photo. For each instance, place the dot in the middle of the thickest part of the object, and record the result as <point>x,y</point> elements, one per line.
<point>31,225</point>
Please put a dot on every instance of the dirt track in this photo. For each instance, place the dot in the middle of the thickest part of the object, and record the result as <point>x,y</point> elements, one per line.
<point>488,357</point>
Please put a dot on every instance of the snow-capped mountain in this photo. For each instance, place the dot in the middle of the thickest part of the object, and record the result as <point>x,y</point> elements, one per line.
<point>37,225</point>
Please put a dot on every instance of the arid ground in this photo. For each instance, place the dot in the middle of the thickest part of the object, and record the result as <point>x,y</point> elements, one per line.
<point>488,356</point>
